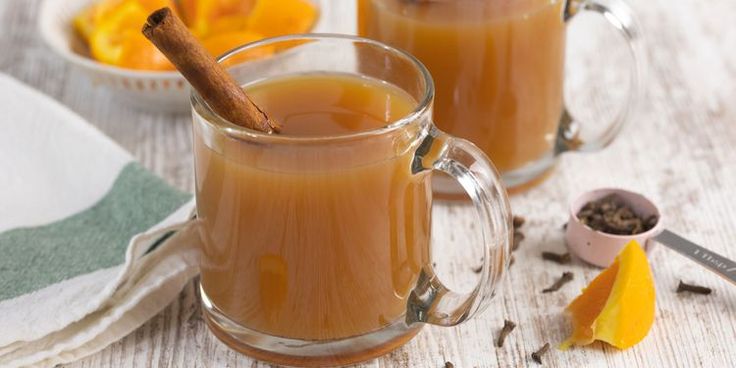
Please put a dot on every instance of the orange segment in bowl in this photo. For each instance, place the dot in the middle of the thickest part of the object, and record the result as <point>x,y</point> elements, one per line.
<point>281,17</point>
<point>84,23</point>
<point>111,32</point>
<point>107,8</point>
<point>229,23</point>
<point>201,15</point>
<point>222,43</point>
<point>618,305</point>
<point>139,53</point>
<point>153,5</point>
<point>117,38</point>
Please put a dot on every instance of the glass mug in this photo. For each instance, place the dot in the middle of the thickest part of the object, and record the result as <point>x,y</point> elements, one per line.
<point>316,250</point>
<point>498,67</point>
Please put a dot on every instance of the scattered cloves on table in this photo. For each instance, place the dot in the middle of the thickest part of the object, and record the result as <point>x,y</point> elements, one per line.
<point>477,269</point>
<point>518,237</point>
<point>518,222</point>
<point>683,287</point>
<point>564,279</point>
<point>562,258</point>
<point>537,355</point>
<point>508,326</point>
<point>449,365</point>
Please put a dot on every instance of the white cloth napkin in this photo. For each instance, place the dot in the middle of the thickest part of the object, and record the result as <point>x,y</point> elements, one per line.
<point>91,244</point>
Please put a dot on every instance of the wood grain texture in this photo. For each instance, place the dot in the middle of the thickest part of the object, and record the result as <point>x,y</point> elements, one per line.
<point>679,150</point>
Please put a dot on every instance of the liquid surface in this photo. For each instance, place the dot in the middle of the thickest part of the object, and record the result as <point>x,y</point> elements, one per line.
<point>497,67</point>
<point>313,242</point>
<point>316,105</point>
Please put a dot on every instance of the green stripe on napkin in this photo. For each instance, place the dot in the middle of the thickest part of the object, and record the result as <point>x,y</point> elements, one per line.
<point>96,238</point>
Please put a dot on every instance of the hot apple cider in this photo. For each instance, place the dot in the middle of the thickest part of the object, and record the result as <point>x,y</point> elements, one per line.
<point>315,243</point>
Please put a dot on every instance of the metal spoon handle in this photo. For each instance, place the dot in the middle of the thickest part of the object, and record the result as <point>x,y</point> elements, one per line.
<point>715,262</point>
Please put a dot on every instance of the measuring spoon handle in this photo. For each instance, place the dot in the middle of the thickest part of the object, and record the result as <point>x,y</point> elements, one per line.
<point>715,262</point>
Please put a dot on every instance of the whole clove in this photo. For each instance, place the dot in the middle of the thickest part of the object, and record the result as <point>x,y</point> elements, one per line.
<point>518,222</point>
<point>518,237</point>
<point>449,365</point>
<point>564,279</point>
<point>612,215</point>
<point>511,261</point>
<point>477,269</point>
<point>508,326</point>
<point>537,355</point>
<point>695,289</point>
<point>563,258</point>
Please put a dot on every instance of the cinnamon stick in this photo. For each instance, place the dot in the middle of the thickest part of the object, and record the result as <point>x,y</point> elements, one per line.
<point>210,79</point>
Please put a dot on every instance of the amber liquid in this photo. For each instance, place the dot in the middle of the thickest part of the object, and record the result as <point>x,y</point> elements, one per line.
<point>313,242</point>
<point>497,67</point>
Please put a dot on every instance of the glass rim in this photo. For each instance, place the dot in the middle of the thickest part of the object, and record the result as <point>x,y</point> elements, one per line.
<point>238,131</point>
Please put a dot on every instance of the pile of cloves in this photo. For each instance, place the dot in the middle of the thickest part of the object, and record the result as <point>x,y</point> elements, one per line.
<point>612,215</point>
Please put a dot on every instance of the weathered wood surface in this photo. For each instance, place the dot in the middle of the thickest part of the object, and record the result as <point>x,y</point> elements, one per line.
<point>680,150</point>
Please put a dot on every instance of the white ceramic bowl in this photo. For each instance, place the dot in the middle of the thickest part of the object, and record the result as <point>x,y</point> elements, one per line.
<point>145,90</point>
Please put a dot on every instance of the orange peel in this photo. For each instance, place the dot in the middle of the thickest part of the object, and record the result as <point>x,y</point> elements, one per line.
<point>618,306</point>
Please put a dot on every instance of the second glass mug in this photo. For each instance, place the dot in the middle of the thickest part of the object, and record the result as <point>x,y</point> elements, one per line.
<point>498,67</point>
<point>316,250</point>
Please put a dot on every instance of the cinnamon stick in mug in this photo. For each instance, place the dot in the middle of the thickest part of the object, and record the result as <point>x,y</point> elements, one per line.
<point>209,78</point>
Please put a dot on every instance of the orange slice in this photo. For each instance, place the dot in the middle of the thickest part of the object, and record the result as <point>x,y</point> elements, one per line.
<point>84,23</point>
<point>139,53</point>
<point>107,8</point>
<point>153,5</point>
<point>229,23</point>
<point>106,41</point>
<point>117,38</point>
<point>201,15</point>
<point>224,42</point>
<point>617,307</point>
<point>282,17</point>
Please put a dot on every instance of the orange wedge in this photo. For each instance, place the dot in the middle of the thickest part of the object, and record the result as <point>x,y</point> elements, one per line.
<point>617,307</point>
<point>282,17</point>
<point>224,42</point>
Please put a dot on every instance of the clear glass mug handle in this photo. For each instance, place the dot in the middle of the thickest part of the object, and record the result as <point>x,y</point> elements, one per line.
<point>620,16</point>
<point>431,301</point>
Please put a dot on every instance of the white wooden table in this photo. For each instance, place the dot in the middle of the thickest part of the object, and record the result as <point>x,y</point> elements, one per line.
<point>680,150</point>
